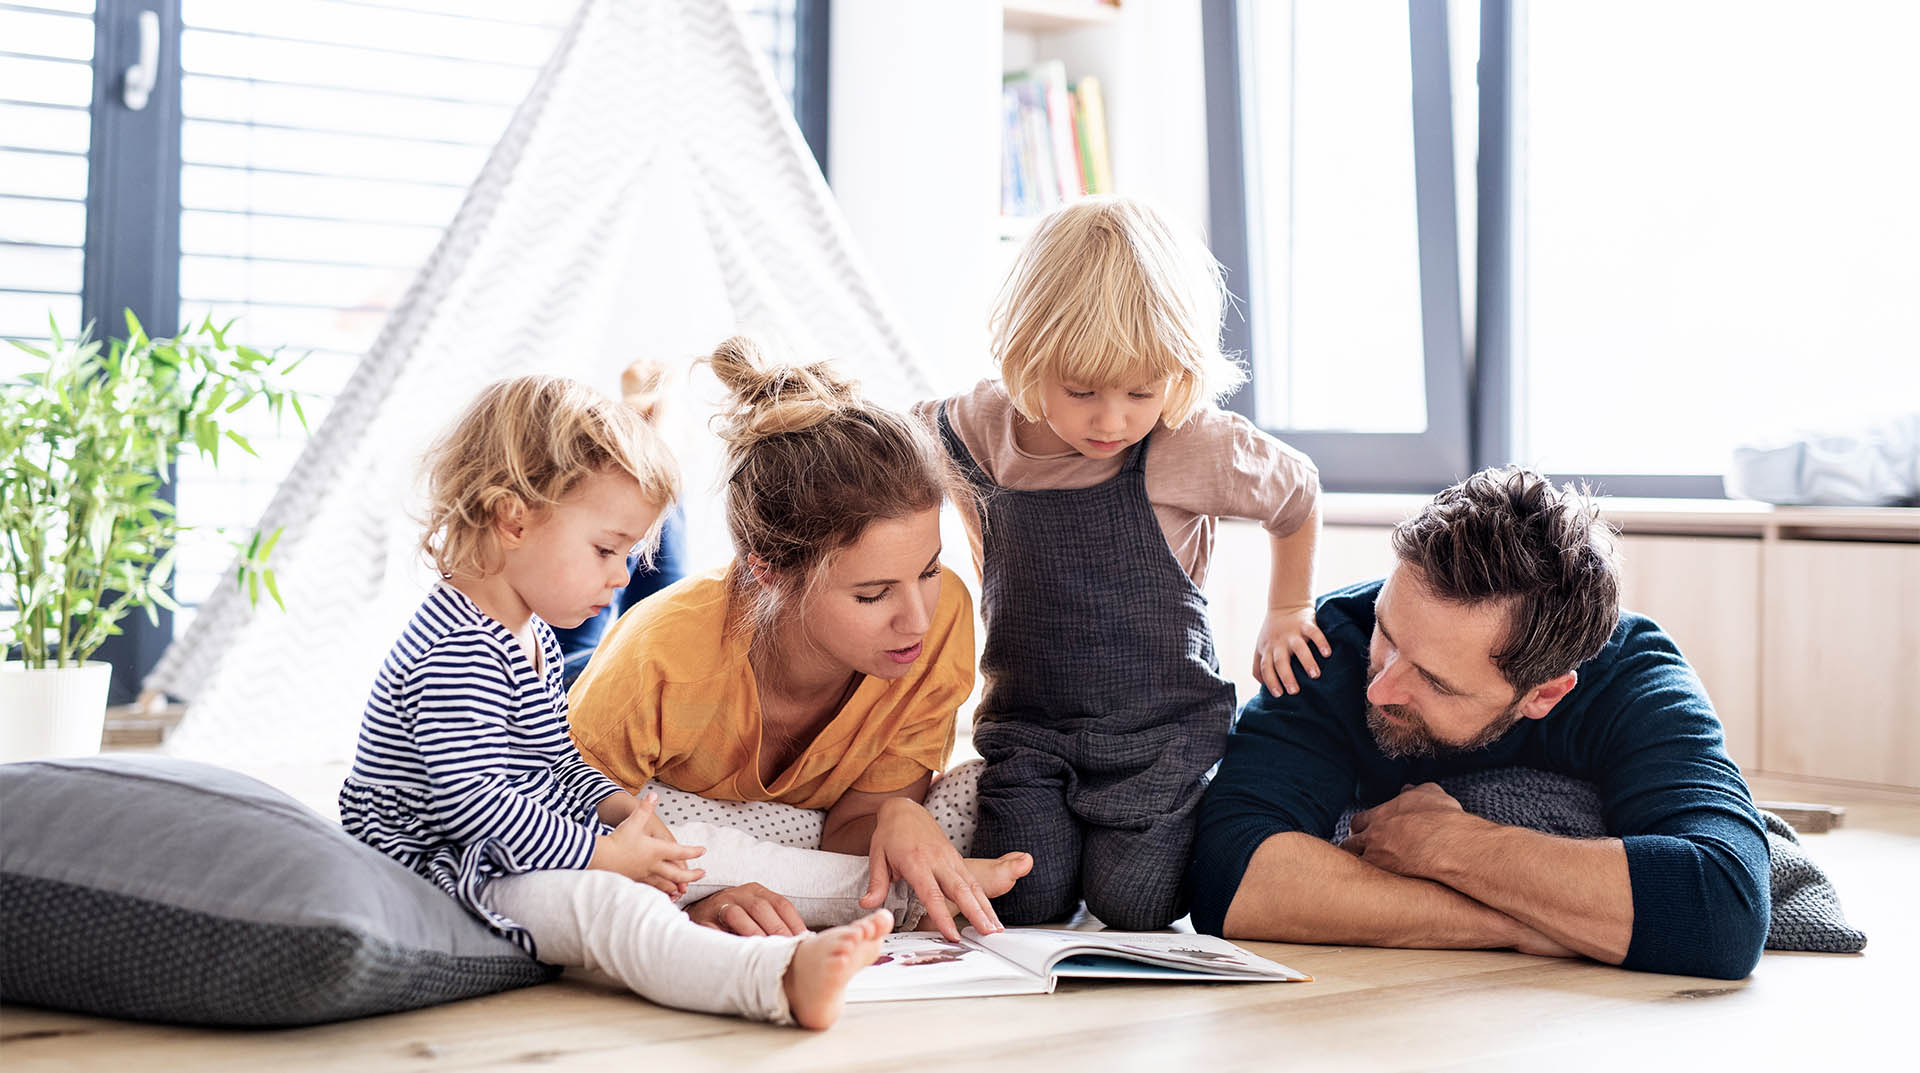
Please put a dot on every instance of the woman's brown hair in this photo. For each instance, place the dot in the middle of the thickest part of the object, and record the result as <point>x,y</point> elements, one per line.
<point>810,465</point>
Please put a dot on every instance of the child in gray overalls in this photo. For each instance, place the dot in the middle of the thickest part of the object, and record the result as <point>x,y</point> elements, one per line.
<point>1102,464</point>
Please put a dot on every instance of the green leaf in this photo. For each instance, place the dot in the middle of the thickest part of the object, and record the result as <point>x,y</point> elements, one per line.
<point>242,441</point>
<point>34,350</point>
<point>88,442</point>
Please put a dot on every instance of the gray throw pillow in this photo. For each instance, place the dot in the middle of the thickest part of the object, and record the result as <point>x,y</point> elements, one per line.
<point>167,890</point>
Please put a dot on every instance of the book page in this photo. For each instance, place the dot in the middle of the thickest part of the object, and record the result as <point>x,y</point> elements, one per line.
<point>923,964</point>
<point>1044,951</point>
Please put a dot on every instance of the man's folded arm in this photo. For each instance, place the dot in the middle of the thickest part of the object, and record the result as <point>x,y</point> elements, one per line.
<point>1697,853</point>
<point>1263,868</point>
<point>1298,888</point>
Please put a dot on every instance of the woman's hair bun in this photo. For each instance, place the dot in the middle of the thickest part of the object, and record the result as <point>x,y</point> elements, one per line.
<point>772,399</point>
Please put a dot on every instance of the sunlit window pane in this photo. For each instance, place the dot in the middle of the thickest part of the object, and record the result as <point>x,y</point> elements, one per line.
<point>1335,288</point>
<point>46,82</point>
<point>1718,226</point>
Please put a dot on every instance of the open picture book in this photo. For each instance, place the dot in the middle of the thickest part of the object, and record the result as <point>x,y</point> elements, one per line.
<point>1030,961</point>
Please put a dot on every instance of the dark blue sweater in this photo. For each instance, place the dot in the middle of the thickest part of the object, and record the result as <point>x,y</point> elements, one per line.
<point>1638,725</point>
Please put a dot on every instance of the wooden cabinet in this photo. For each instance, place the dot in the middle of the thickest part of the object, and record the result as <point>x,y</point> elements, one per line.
<point>1705,592</point>
<point>1841,661</point>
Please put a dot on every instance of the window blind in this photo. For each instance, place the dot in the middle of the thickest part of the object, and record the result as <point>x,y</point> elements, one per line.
<point>326,144</point>
<point>46,86</point>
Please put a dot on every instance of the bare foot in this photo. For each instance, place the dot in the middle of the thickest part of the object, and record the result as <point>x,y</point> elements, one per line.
<point>997,874</point>
<point>816,979</point>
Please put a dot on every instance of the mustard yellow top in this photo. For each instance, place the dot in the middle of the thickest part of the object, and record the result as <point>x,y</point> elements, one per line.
<point>669,695</point>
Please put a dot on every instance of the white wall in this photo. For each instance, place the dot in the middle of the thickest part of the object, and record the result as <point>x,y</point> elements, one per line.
<point>914,153</point>
<point>913,144</point>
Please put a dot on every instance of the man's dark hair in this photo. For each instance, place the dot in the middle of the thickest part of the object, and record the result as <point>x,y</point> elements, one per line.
<point>1509,535</point>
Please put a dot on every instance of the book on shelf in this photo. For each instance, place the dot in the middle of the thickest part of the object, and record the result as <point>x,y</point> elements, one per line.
<point>1090,122</point>
<point>1054,140</point>
<point>1030,961</point>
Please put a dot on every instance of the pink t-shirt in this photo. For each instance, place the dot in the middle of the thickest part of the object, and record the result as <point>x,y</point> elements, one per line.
<point>1217,465</point>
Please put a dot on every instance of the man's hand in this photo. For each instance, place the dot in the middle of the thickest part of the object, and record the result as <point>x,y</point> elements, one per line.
<point>748,909</point>
<point>1414,834</point>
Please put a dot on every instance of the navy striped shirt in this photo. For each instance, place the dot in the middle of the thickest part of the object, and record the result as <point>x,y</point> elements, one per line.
<point>464,770</point>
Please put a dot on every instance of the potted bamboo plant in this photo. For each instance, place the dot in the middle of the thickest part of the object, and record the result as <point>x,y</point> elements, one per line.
<point>89,434</point>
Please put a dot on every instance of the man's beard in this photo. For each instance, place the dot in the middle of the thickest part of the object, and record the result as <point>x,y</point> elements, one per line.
<point>1410,737</point>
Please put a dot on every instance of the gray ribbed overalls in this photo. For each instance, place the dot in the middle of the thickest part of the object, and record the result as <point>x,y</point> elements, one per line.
<point>1104,706</point>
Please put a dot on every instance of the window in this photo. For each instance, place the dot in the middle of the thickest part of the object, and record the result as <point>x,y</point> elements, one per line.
<point>46,84</point>
<point>1331,211</point>
<point>297,162</point>
<point>1694,228</point>
<point>324,148</point>
<point>1715,226</point>
<point>1337,229</point>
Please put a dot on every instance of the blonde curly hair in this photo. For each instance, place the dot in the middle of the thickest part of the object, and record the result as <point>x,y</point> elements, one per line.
<point>529,441</point>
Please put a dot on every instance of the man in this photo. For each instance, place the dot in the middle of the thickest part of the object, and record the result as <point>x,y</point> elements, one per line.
<point>1496,642</point>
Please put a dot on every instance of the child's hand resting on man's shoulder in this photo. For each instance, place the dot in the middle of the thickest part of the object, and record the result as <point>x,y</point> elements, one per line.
<point>1288,633</point>
<point>642,849</point>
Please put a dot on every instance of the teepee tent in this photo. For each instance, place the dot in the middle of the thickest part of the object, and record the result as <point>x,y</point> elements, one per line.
<point>651,196</point>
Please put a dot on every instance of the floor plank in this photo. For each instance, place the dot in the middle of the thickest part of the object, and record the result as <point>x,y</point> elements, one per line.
<point>1366,1010</point>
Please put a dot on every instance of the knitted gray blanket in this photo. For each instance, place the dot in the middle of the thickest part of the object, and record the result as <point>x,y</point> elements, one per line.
<point>1806,909</point>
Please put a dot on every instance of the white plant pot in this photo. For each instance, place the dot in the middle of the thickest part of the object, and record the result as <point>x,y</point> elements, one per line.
<point>54,711</point>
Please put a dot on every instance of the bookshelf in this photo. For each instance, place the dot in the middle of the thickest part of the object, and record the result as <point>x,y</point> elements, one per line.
<point>1044,16</point>
<point>917,123</point>
<point>1055,132</point>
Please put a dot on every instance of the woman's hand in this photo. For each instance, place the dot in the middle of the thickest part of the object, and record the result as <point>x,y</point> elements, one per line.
<point>748,909</point>
<point>908,844</point>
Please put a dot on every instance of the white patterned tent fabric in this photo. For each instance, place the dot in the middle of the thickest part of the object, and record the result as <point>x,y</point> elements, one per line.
<point>651,196</point>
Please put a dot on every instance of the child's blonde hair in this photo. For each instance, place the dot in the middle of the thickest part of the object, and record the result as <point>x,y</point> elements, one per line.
<point>810,465</point>
<point>1107,294</point>
<point>530,440</point>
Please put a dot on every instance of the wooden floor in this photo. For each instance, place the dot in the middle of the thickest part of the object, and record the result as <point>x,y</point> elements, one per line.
<point>1366,1010</point>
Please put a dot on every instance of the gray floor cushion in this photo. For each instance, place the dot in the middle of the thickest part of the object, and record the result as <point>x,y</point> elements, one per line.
<point>167,890</point>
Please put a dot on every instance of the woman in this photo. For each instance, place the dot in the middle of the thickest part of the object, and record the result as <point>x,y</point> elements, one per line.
<point>823,668</point>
